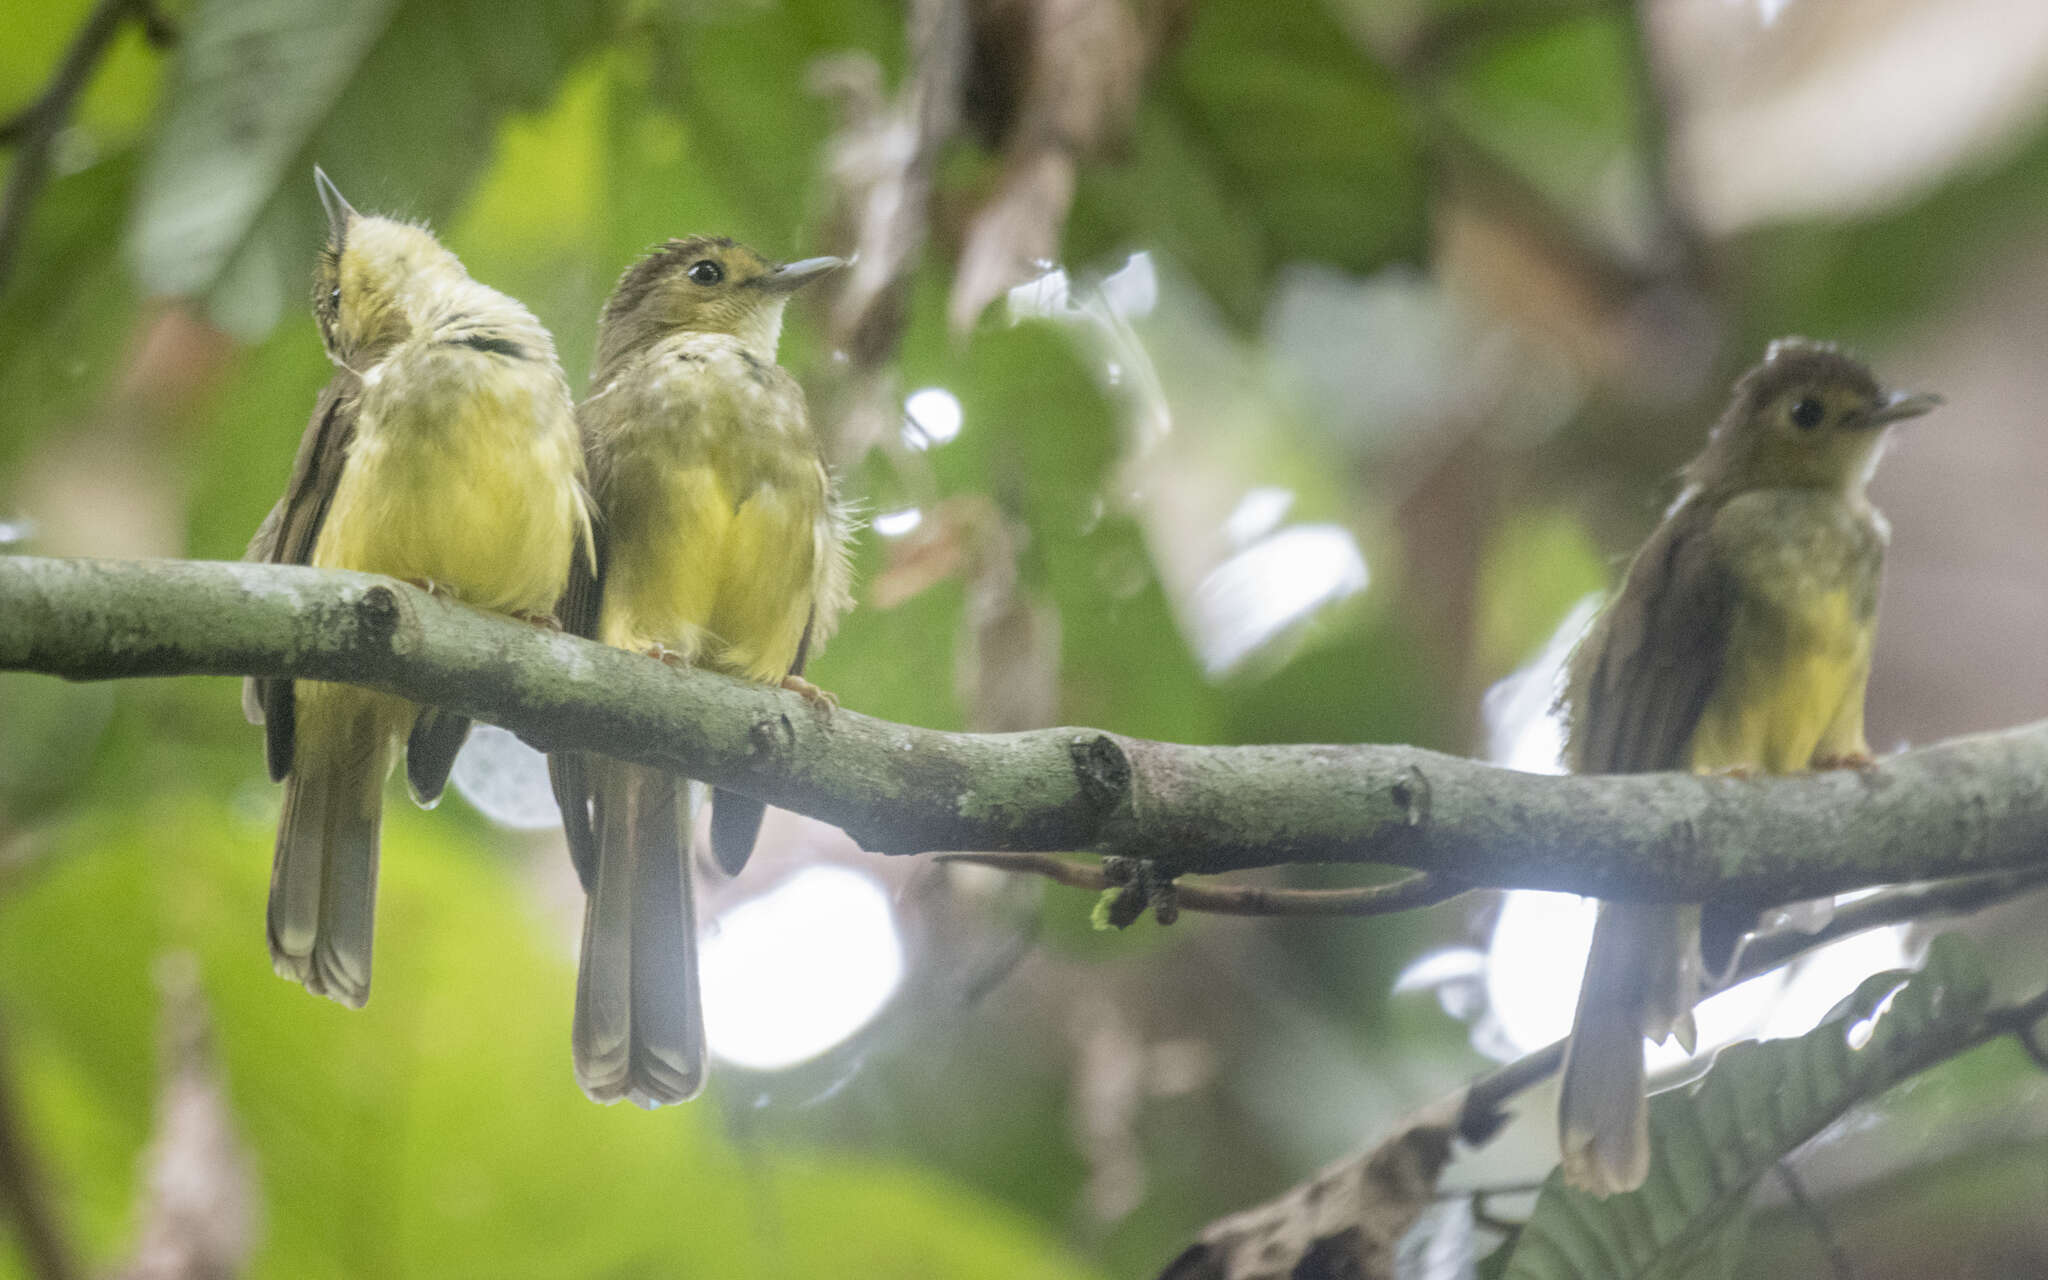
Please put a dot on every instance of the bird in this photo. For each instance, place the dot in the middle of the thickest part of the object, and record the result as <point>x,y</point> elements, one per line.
<point>1740,642</point>
<point>723,545</point>
<point>442,452</point>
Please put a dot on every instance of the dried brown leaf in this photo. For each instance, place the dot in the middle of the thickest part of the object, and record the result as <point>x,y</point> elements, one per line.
<point>1346,1222</point>
<point>880,165</point>
<point>1058,83</point>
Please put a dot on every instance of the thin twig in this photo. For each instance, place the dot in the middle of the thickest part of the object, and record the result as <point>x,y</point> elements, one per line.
<point>1405,894</point>
<point>1961,896</point>
<point>1526,1188</point>
<point>1823,1231</point>
<point>1483,1215</point>
<point>35,127</point>
<point>1485,1097</point>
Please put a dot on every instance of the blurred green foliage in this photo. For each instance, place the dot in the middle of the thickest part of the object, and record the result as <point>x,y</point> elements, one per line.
<point>439,1132</point>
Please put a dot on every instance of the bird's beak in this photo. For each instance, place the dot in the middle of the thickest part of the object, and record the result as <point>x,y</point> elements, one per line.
<point>794,276</point>
<point>1900,405</point>
<point>339,211</point>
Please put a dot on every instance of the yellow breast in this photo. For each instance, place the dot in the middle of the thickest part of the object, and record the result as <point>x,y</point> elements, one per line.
<point>716,508</point>
<point>723,582</point>
<point>1788,675</point>
<point>465,471</point>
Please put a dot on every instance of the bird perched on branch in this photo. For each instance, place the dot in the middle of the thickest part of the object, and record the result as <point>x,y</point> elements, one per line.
<point>1740,642</point>
<point>721,545</point>
<point>444,452</point>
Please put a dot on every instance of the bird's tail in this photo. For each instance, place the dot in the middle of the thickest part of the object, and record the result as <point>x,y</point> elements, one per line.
<point>436,739</point>
<point>1640,981</point>
<point>323,880</point>
<point>735,825</point>
<point>639,1029</point>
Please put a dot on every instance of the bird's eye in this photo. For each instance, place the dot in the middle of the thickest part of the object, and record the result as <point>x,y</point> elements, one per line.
<point>706,272</point>
<point>1807,414</point>
<point>334,299</point>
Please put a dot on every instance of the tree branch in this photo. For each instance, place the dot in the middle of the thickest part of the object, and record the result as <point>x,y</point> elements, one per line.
<point>1970,805</point>
<point>1405,894</point>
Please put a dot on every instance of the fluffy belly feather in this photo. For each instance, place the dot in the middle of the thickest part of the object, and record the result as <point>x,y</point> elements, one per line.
<point>486,504</point>
<point>722,583</point>
<point>1786,681</point>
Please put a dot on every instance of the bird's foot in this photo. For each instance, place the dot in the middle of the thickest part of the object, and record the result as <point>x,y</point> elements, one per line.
<point>431,587</point>
<point>672,657</point>
<point>809,692</point>
<point>545,621</point>
<point>1860,761</point>
<point>1739,772</point>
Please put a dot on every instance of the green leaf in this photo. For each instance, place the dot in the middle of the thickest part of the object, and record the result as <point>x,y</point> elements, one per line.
<point>393,96</point>
<point>1711,1143</point>
<point>1557,106</point>
<point>1227,175</point>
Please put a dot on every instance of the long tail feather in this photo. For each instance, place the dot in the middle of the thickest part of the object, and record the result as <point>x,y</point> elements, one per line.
<point>1638,982</point>
<point>639,1027</point>
<point>323,880</point>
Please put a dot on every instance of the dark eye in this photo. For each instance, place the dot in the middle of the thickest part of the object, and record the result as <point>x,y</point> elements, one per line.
<point>1806,415</point>
<point>705,271</point>
<point>334,299</point>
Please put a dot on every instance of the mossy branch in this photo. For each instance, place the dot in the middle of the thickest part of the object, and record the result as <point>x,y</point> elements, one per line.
<point>1969,805</point>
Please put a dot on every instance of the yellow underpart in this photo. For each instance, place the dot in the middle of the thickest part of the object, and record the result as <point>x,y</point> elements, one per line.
<point>463,472</point>
<point>1791,689</point>
<point>720,582</point>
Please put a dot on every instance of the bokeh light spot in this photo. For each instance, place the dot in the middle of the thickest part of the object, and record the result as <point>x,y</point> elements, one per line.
<point>795,971</point>
<point>933,417</point>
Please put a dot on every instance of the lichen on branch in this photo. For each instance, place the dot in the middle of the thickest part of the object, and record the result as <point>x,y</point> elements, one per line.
<point>1969,805</point>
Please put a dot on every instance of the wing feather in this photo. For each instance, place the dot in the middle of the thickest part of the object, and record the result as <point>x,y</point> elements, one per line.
<point>287,536</point>
<point>1640,680</point>
<point>569,771</point>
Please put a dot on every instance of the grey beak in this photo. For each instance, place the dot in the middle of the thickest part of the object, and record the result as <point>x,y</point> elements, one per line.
<point>795,275</point>
<point>1900,405</point>
<point>339,211</point>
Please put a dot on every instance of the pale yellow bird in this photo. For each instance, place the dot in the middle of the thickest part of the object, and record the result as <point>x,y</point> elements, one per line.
<point>443,452</point>
<point>722,545</point>
<point>1740,641</point>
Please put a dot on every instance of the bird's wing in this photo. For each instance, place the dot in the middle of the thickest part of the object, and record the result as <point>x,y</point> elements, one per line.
<point>1638,683</point>
<point>569,771</point>
<point>288,533</point>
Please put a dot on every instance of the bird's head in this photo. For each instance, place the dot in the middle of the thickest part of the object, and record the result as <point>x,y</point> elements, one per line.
<point>704,284</point>
<point>1808,416</point>
<point>374,279</point>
